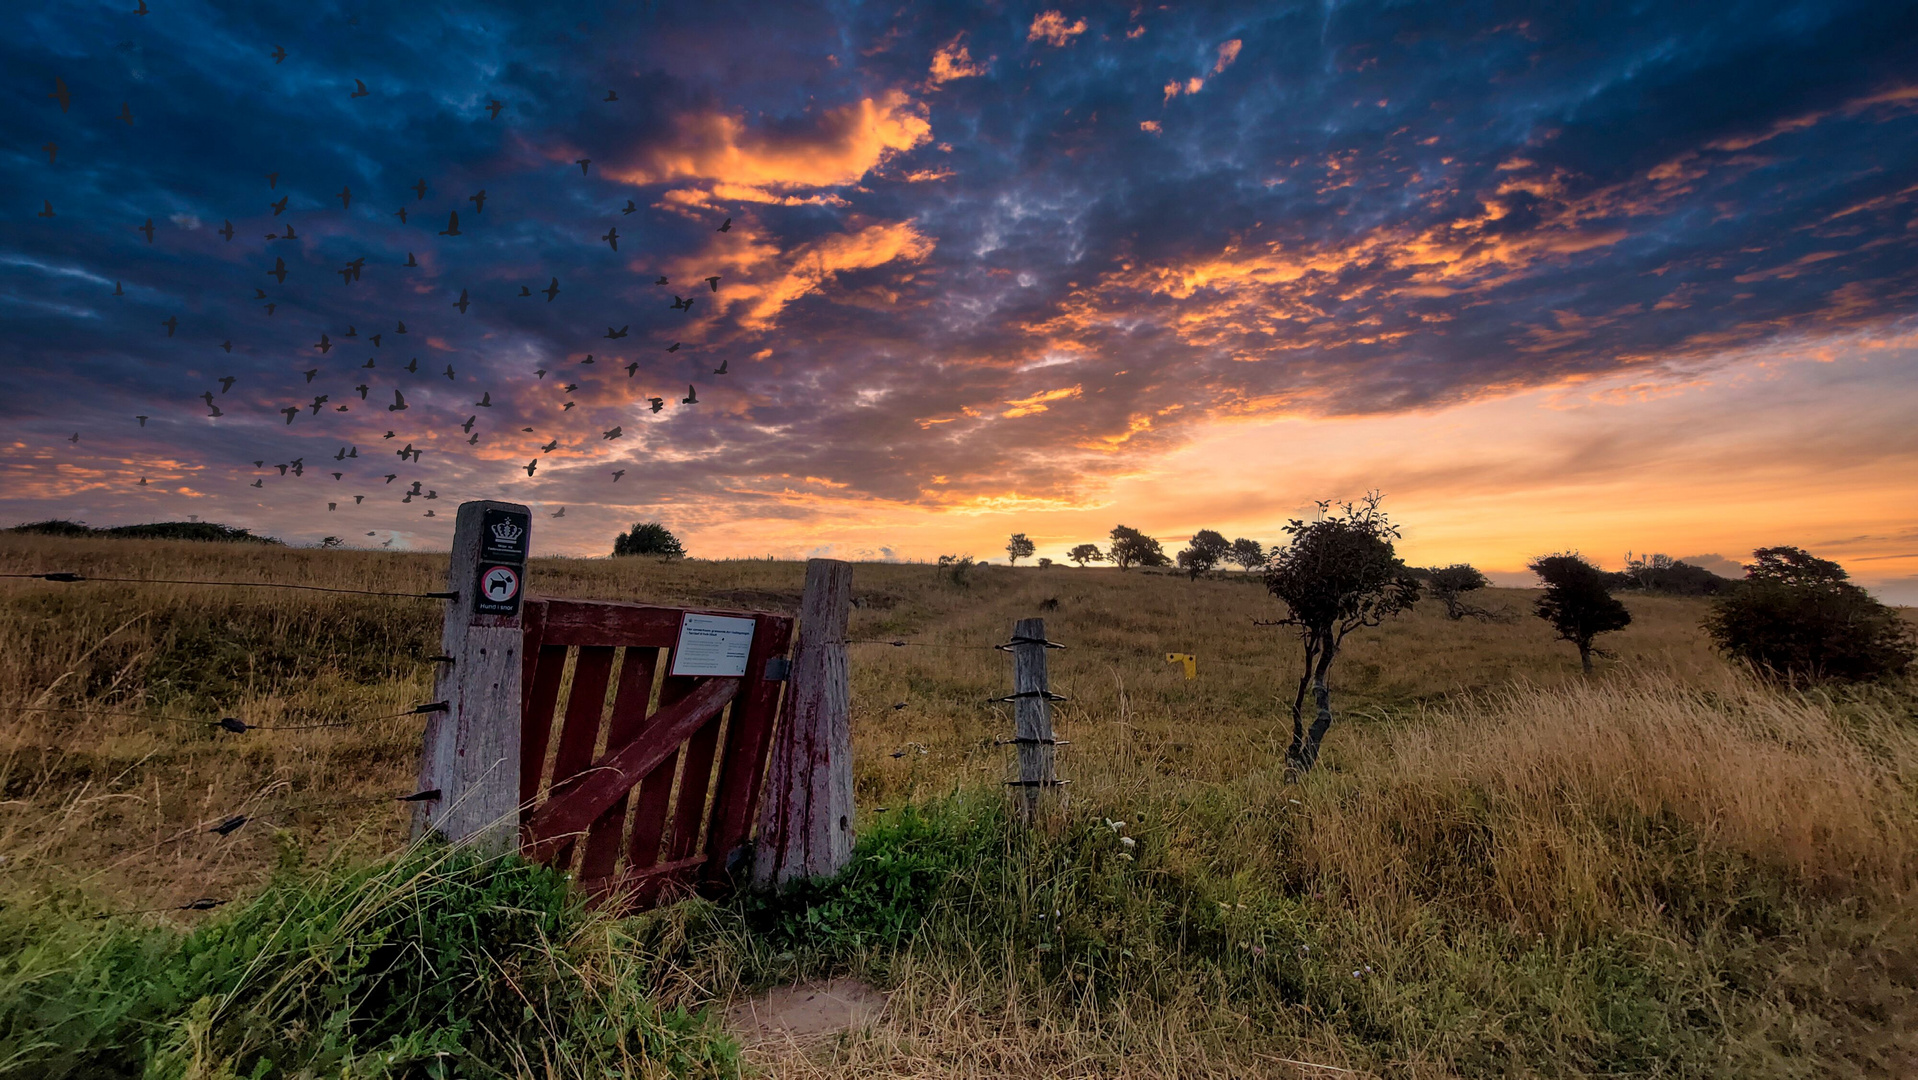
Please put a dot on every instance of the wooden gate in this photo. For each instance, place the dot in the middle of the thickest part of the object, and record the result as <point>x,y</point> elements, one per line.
<point>650,789</point>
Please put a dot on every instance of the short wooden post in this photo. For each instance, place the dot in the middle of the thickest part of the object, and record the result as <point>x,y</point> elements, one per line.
<point>806,819</point>
<point>1032,713</point>
<point>471,751</point>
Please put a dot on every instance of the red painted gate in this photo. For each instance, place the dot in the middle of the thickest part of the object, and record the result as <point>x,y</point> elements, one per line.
<point>653,788</point>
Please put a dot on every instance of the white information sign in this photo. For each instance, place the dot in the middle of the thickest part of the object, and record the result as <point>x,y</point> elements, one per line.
<point>712,645</point>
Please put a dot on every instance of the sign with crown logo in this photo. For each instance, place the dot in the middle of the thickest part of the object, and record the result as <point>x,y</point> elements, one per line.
<point>503,536</point>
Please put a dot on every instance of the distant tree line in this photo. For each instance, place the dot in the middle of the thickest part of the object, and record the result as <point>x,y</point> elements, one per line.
<point>158,530</point>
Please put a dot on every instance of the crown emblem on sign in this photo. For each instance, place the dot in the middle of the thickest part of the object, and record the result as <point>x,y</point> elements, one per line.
<point>506,532</point>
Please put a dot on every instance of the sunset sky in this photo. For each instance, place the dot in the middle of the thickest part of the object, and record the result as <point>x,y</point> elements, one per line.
<point>1549,279</point>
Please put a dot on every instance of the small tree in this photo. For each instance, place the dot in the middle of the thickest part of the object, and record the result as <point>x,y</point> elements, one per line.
<point>1204,551</point>
<point>1086,553</point>
<point>1338,574</point>
<point>956,568</point>
<point>649,538</point>
<point>1578,603</point>
<point>1044,563</point>
<point>1131,547</point>
<point>1248,554</point>
<point>1019,548</point>
<point>1798,618</point>
<point>1449,583</point>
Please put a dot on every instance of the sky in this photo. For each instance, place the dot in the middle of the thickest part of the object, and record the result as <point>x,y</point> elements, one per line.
<point>1551,277</point>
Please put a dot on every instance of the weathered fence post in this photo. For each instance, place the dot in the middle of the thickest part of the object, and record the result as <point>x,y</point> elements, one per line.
<point>1032,712</point>
<point>805,820</point>
<point>471,751</point>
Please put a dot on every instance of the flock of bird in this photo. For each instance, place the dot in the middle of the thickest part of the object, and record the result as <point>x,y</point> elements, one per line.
<point>346,387</point>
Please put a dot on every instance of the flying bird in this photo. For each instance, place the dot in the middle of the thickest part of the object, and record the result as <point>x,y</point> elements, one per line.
<point>582,163</point>
<point>468,426</point>
<point>486,400</point>
<point>226,383</point>
<point>317,402</point>
<point>272,180</point>
<point>657,403</point>
<point>310,372</point>
<point>142,9</point>
<point>494,107</point>
<point>258,483</point>
<point>551,290</point>
<point>375,339</point>
<point>142,420</point>
<point>278,271</point>
<point>336,476</point>
<point>612,333</point>
<point>278,54</point>
<point>612,237</point>
<point>361,91</point>
<point>401,214</point>
<point>588,360</point>
<point>325,345</point>
<point>410,261</point>
<point>419,188</point>
<point>662,280</point>
<point>567,406</point>
<point>714,282</point>
<point>449,373</point>
<point>632,367</point>
<point>540,373</point>
<point>291,411</point>
<point>630,208</point>
<point>148,229</point>
<point>683,305</point>
<point>452,225</point>
<point>48,212</point>
<point>721,369</point>
<point>399,402</point>
<point>346,197</point>
<point>402,328</point>
<point>270,307</point>
<point>462,303</point>
<point>478,201</point>
<point>614,433</point>
<point>474,441</point>
<point>356,502</point>
<point>279,206</point>
<point>215,411</point>
<point>559,513</point>
<point>61,95</point>
<point>351,330</point>
<point>53,152</point>
<point>617,473</point>
<point>726,226</point>
<point>208,398</point>
<point>692,396</point>
<point>531,466</point>
<point>392,476</point>
<point>611,95</point>
<point>570,387</point>
<point>227,345</point>
<point>227,231</point>
<point>524,291</point>
<point>170,322</point>
<point>143,481</point>
<point>332,506</point>
<point>126,114</point>
<point>413,365</point>
<point>117,290</point>
<point>550,447</point>
<point>674,347</point>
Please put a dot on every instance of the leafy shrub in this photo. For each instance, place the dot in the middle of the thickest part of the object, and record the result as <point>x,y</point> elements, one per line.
<point>1797,617</point>
<point>649,538</point>
<point>1578,603</point>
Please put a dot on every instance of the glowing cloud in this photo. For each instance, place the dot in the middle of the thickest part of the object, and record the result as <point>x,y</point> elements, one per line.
<point>1051,27</point>
<point>1228,52</point>
<point>952,61</point>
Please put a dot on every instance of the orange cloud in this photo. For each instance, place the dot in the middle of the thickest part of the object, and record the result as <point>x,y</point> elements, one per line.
<point>1149,125</point>
<point>757,165</point>
<point>765,280</point>
<point>1051,27</point>
<point>1228,52</point>
<point>1038,403</point>
<point>952,61</point>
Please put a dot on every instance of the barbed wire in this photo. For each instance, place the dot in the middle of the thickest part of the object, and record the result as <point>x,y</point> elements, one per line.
<point>68,577</point>
<point>233,724</point>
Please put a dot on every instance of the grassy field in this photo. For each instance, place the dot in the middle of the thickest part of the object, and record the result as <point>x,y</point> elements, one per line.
<point>1501,868</point>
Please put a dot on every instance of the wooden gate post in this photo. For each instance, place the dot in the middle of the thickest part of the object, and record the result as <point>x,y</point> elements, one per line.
<point>1032,713</point>
<point>471,751</point>
<point>805,819</point>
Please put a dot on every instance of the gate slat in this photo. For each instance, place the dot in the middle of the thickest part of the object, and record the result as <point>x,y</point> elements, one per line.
<point>635,690</point>
<point>573,806</point>
<point>695,781</point>
<point>655,791</point>
<point>536,718</point>
<point>585,704</point>
<point>743,769</point>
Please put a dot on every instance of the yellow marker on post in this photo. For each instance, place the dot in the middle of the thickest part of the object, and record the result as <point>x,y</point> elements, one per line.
<point>1191,663</point>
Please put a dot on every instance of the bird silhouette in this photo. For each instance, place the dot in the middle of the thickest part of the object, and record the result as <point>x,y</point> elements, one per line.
<point>478,201</point>
<point>352,273</point>
<point>617,473</point>
<point>310,372</point>
<point>474,440</point>
<point>588,360</point>
<point>613,433</point>
<point>226,383</point>
<point>337,475</point>
<point>612,237</point>
<point>142,420</point>
<point>361,91</point>
<point>270,307</point>
<point>272,180</point>
<point>692,396</point>
<point>278,271</point>
<point>567,406</point>
<point>208,398</point>
<point>582,163</point>
<point>551,290</point>
<point>726,226</point>
<point>410,260</point>
<point>143,481</point>
<point>462,303</point>
<point>540,373</point>
<point>632,367</point>
<point>657,403</point>
<point>48,212</point>
<point>662,280</point>
<point>449,373</point>
<point>346,197</point>
<point>291,411</point>
<point>375,339</point>
<point>142,9</point>
<point>325,345</point>
<point>61,95</point>
<point>117,290</point>
<point>399,402</point>
<point>714,282</point>
<point>227,232</point>
<point>524,291</point>
<point>611,95</point>
<point>356,502</point>
<point>148,229</point>
<point>392,476</point>
<point>278,54</point>
<point>317,402</point>
<point>494,107</point>
<point>531,466</point>
<point>227,345</point>
<point>401,214</point>
<point>468,426</point>
<point>430,513</point>
<point>351,330</point>
<point>213,411</point>
<point>413,365</point>
<point>257,483</point>
<point>620,333</point>
<point>560,513</point>
<point>550,447</point>
<point>402,328</point>
<point>674,347</point>
<point>630,208</point>
<point>486,400</point>
<point>684,305</point>
<point>419,188</point>
<point>279,206</point>
<point>570,387</point>
<point>332,506</point>
<point>721,369</point>
<point>452,225</point>
<point>126,114</point>
<point>53,152</point>
<point>170,322</point>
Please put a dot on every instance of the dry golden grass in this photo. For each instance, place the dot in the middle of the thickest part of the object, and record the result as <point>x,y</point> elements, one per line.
<point>1477,800</point>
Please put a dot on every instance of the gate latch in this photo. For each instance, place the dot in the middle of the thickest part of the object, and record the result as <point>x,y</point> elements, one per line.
<point>777,668</point>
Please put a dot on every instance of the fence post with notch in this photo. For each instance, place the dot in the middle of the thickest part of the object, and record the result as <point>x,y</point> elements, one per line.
<point>806,819</point>
<point>1032,699</point>
<point>471,751</point>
